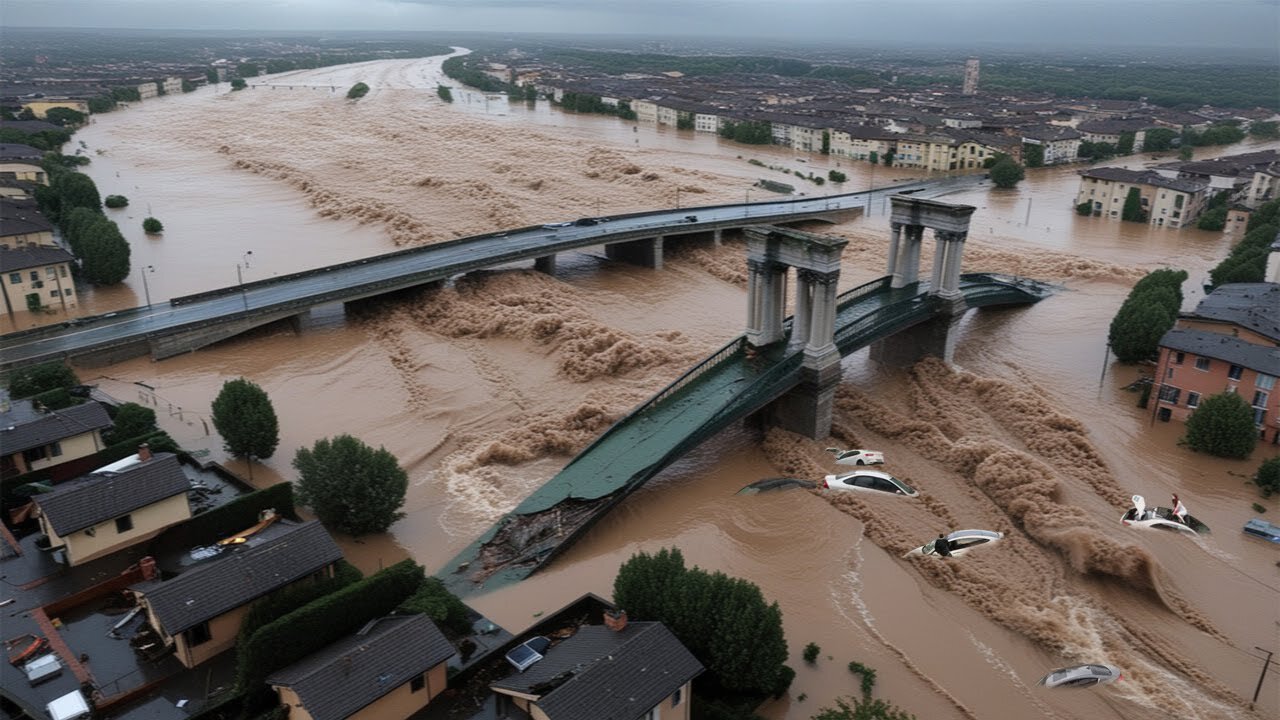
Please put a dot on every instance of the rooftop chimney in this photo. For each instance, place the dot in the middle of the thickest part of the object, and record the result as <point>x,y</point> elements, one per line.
<point>148,567</point>
<point>144,452</point>
<point>616,620</point>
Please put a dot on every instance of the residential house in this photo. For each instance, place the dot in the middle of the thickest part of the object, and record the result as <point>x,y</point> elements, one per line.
<point>18,151</point>
<point>1234,174</point>
<point>390,669</point>
<point>18,168</point>
<point>1060,144</point>
<point>931,152</point>
<point>148,90</point>
<point>616,671</point>
<point>861,142</point>
<point>1167,202</point>
<point>171,85</point>
<point>645,110</point>
<point>199,612</point>
<point>1230,343</point>
<point>1238,222</point>
<point>1110,131</point>
<point>33,438</point>
<point>40,108</point>
<point>33,277</point>
<point>22,225</point>
<point>1263,186</point>
<point>706,121</point>
<point>116,506</point>
<point>1273,262</point>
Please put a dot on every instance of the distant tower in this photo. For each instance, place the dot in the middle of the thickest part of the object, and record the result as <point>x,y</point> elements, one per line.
<point>970,76</point>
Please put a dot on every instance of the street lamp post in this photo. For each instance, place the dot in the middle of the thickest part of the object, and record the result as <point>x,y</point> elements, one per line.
<point>145,288</point>
<point>240,281</point>
<point>677,197</point>
<point>246,255</point>
<point>746,200</point>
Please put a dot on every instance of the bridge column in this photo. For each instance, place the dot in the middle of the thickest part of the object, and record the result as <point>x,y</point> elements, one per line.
<point>950,284</point>
<point>908,265</point>
<point>717,236</point>
<point>808,407</point>
<point>766,300</point>
<point>645,253</point>
<point>545,264</point>
<point>895,247</point>
<point>804,308</point>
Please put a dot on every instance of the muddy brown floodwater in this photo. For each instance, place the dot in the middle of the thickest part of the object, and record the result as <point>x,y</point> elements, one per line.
<point>485,387</point>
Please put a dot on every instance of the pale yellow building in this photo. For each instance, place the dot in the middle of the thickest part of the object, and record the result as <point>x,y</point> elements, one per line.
<point>36,277</point>
<point>22,225</point>
<point>618,670</point>
<point>199,612</point>
<point>862,142</point>
<point>114,507</point>
<point>392,668</point>
<point>645,110</point>
<point>1168,202</point>
<point>32,438</point>
<point>40,108</point>
<point>23,169</point>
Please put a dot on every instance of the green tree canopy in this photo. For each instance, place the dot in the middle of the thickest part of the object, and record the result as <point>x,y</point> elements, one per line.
<point>76,225</point>
<point>1158,139</point>
<point>1132,210</point>
<point>1006,172</point>
<point>357,91</point>
<point>351,486</point>
<point>1268,476</point>
<point>863,709</point>
<point>65,116</point>
<point>116,201</point>
<point>132,420</point>
<point>1222,425</point>
<point>40,378</point>
<point>244,417</point>
<point>152,226</point>
<point>104,253</point>
<point>725,622</point>
<point>76,190</point>
<point>1146,315</point>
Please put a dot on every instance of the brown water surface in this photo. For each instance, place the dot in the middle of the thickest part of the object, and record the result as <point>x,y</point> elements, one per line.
<point>485,387</point>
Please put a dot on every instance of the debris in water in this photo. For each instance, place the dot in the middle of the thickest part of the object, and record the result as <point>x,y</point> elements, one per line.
<point>782,483</point>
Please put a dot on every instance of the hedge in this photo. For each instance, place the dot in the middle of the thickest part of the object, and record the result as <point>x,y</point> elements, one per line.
<point>55,399</point>
<point>435,601</point>
<point>276,606</point>
<point>320,623</point>
<point>237,515</point>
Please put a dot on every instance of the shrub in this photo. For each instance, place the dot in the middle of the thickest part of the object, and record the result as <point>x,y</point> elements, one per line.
<point>131,420</point>
<point>246,420</point>
<point>152,226</point>
<point>239,514</point>
<point>276,606</point>
<point>867,677</point>
<point>811,653</point>
<point>55,399</point>
<point>357,91</point>
<point>1085,208</point>
<point>435,601</point>
<point>836,176</point>
<point>1222,425</point>
<point>444,93</point>
<point>116,201</point>
<point>865,709</point>
<point>40,378</point>
<point>1268,477</point>
<point>1006,172</point>
<point>238,84</point>
<point>1259,508</point>
<point>1214,220</point>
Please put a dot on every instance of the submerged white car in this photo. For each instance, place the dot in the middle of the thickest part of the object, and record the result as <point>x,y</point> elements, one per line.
<point>869,481</point>
<point>857,457</point>
<point>1161,518</point>
<point>958,543</point>
<point>1082,676</point>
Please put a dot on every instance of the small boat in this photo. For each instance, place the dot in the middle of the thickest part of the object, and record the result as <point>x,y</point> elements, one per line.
<point>1161,518</point>
<point>1082,676</point>
<point>1260,528</point>
<point>959,543</point>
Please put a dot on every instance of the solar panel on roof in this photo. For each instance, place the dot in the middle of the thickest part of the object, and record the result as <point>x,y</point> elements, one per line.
<point>522,656</point>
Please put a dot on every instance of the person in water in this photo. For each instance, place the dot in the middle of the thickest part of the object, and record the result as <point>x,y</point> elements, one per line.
<point>942,546</point>
<point>1179,510</point>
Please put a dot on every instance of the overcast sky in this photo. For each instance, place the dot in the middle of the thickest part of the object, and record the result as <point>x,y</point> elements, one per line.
<point>1211,23</point>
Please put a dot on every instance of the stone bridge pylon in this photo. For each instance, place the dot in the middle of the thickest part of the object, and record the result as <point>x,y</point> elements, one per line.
<point>950,225</point>
<point>771,252</point>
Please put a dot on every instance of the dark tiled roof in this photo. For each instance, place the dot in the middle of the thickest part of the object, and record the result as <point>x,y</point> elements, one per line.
<point>1114,173</point>
<point>350,674</point>
<point>1049,133</point>
<point>23,428</point>
<point>272,559</point>
<point>599,674</point>
<point>18,150</point>
<point>99,497</point>
<point>1145,177</point>
<point>29,126</point>
<point>30,256</point>
<point>1114,127</point>
<point>1261,358</point>
<point>1255,306</point>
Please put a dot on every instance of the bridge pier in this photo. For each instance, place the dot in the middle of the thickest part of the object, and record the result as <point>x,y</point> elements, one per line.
<point>950,225</point>
<point>545,264</point>
<point>645,253</point>
<point>807,408</point>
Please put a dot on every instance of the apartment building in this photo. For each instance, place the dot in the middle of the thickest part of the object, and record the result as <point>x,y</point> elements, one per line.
<point>1168,202</point>
<point>1060,144</point>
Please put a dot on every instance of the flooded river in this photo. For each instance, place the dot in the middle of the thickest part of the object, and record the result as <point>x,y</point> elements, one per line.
<point>484,388</point>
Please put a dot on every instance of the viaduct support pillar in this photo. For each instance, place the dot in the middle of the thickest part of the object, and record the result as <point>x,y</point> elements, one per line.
<point>645,253</point>
<point>545,264</point>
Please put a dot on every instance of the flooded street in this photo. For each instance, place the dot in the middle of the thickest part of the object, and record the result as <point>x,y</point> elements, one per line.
<point>484,388</point>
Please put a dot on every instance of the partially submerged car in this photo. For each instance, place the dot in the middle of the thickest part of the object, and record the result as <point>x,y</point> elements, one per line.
<point>781,483</point>
<point>1082,676</point>
<point>870,481</point>
<point>1161,518</point>
<point>959,543</point>
<point>857,457</point>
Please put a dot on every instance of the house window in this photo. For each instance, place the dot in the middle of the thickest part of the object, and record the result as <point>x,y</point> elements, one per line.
<point>124,524</point>
<point>1177,201</point>
<point>15,278</point>
<point>198,635</point>
<point>53,293</point>
<point>34,454</point>
<point>677,698</point>
<point>1170,394</point>
<point>1260,399</point>
<point>1193,400</point>
<point>35,276</point>
<point>1202,363</point>
<point>1178,358</point>
<point>418,683</point>
<point>1168,374</point>
<point>55,449</point>
<point>651,715</point>
<point>1235,372</point>
<point>1265,382</point>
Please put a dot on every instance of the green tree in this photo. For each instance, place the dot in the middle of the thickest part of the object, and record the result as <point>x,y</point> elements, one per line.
<point>1247,261</point>
<point>102,104</point>
<point>75,190</point>
<point>1158,139</point>
<point>1268,476</point>
<point>725,622</point>
<point>1222,425</point>
<point>444,93</point>
<point>826,142</point>
<point>1267,130</point>
<point>238,84</point>
<point>76,224</point>
<point>1213,220</point>
<point>1085,208</point>
<point>357,91</point>
<point>864,709</point>
<point>1006,172</point>
<point>211,74</point>
<point>244,417</point>
<point>116,201</point>
<point>1185,153</point>
<point>888,157</point>
<point>152,226</point>
<point>248,70</point>
<point>188,86</point>
<point>1146,315</point>
<point>435,601</point>
<point>1125,145</point>
<point>132,420</point>
<point>351,486</point>
<point>44,377</point>
<point>836,176</point>
<point>65,116</point>
<point>1132,210</point>
<point>104,253</point>
<point>1033,154</point>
